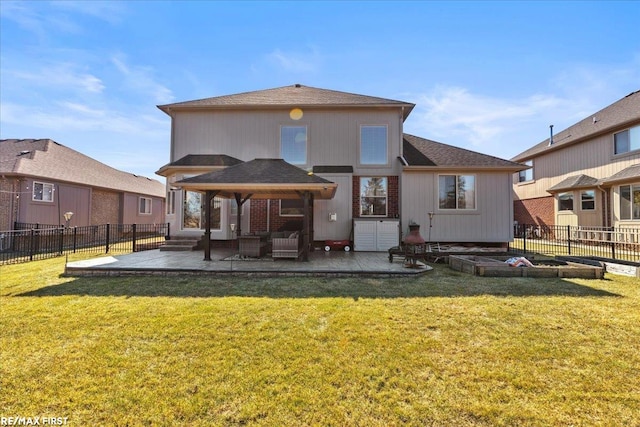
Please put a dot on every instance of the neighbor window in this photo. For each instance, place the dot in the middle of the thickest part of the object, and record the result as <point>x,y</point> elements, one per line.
<point>627,140</point>
<point>526,175</point>
<point>373,145</point>
<point>630,202</point>
<point>373,196</point>
<point>145,206</point>
<point>293,144</point>
<point>42,192</point>
<point>588,200</point>
<point>565,201</point>
<point>457,191</point>
<point>291,207</point>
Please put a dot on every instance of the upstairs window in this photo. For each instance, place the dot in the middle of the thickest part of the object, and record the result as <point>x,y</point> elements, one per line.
<point>145,206</point>
<point>588,200</point>
<point>627,140</point>
<point>526,175</point>
<point>565,201</point>
<point>42,192</point>
<point>629,202</point>
<point>373,145</point>
<point>373,196</point>
<point>293,144</point>
<point>457,192</point>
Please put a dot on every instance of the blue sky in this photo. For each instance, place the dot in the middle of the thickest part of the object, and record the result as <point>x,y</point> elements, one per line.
<point>486,76</point>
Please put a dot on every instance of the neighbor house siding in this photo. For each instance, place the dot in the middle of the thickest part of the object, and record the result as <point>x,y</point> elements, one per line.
<point>105,207</point>
<point>489,222</point>
<point>333,135</point>
<point>9,188</point>
<point>131,210</point>
<point>65,198</point>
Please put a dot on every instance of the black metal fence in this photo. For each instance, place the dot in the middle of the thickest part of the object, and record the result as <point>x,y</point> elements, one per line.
<point>28,242</point>
<point>619,243</point>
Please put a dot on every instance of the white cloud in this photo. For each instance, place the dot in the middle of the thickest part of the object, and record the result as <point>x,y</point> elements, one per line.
<point>62,76</point>
<point>295,62</point>
<point>141,80</point>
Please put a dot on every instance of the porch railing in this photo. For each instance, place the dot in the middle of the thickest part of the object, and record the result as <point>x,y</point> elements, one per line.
<point>30,242</point>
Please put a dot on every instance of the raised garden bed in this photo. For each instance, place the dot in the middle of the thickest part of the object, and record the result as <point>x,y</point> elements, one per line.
<point>496,267</point>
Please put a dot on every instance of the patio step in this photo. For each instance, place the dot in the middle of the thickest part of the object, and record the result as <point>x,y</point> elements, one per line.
<point>179,245</point>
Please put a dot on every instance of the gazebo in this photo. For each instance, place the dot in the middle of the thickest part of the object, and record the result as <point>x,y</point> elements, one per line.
<point>260,179</point>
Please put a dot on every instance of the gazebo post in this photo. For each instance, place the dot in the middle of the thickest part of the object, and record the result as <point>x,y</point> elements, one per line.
<point>208,197</point>
<point>305,226</point>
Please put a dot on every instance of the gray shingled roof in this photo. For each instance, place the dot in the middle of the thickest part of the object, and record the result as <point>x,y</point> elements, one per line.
<point>424,152</point>
<point>631,172</point>
<point>199,161</point>
<point>47,159</point>
<point>574,182</point>
<point>270,178</point>
<point>616,116</point>
<point>289,96</point>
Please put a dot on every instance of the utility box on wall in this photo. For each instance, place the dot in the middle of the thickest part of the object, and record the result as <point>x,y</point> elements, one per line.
<point>375,235</point>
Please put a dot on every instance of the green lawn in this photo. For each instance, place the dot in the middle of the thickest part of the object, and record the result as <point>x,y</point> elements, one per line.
<point>442,349</point>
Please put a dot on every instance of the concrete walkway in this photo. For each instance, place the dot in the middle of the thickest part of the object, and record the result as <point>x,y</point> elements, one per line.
<point>167,263</point>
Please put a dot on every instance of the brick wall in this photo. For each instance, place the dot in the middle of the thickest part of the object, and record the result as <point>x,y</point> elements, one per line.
<point>105,207</point>
<point>258,219</point>
<point>9,188</point>
<point>534,211</point>
<point>393,191</point>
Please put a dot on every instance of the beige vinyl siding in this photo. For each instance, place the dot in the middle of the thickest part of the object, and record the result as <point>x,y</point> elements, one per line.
<point>333,135</point>
<point>340,205</point>
<point>490,222</point>
<point>594,158</point>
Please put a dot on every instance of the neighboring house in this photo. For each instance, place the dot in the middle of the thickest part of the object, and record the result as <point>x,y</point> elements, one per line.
<point>41,180</point>
<point>385,178</point>
<point>586,175</point>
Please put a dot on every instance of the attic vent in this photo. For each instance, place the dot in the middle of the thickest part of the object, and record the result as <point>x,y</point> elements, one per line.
<point>595,120</point>
<point>298,85</point>
<point>551,137</point>
<point>23,152</point>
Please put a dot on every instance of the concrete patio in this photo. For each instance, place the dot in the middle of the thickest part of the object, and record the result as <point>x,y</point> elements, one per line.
<point>327,264</point>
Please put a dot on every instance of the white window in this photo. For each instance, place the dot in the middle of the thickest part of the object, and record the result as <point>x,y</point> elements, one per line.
<point>565,201</point>
<point>145,206</point>
<point>293,144</point>
<point>42,192</point>
<point>171,202</point>
<point>629,202</point>
<point>373,145</point>
<point>588,200</point>
<point>627,140</point>
<point>373,196</point>
<point>291,207</point>
<point>457,192</point>
<point>526,175</point>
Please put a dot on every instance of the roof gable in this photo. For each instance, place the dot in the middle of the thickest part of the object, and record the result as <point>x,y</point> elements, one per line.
<point>424,152</point>
<point>289,96</point>
<point>574,182</point>
<point>616,116</point>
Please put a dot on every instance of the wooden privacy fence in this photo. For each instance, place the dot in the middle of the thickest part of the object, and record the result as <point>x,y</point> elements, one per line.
<point>28,242</point>
<point>616,243</point>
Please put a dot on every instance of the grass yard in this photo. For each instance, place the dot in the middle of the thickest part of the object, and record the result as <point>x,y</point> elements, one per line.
<point>445,349</point>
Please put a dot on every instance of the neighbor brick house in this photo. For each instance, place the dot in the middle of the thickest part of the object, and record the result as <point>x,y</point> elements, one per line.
<point>41,180</point>
<point>385,178</point>
<point>587,174</point>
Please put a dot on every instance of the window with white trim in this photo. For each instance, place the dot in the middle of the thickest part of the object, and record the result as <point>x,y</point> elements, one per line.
<point>588,200</point>
<point>291,207</point>
<point>457,192</point>
<point>629,202</point>
<point>145,206</point>
<point>527,174</point>
<point>565,202</point>
<point>373,196</point>
<point>373,145</point>
<point>171,202</point>
<point>627,140</point>
<point>293,144</point>
<point>42,192</point>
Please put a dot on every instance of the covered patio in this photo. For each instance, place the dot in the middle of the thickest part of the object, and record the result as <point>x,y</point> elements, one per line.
<point>261,179</point>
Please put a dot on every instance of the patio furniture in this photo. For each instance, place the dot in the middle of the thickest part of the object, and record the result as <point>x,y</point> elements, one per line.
<point>252,246</point>
<point>286,247</point>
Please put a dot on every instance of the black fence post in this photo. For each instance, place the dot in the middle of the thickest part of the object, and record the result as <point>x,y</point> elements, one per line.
<point>523,230</point>
<point>32,242</point>
<point>107,238</point>
<point>168,235</point>
<point>568,239</point>
<point>61,243</point>
<point>133,233</point>
<point>613,242</point>
<point>75,239</point>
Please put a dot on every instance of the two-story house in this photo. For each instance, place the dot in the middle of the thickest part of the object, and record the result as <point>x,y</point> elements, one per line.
<point>586,175</point>
<point>378,179</point>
